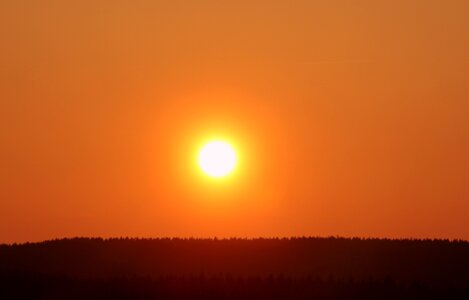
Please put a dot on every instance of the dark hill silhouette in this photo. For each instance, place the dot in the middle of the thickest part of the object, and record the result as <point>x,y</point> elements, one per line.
<point>295,268</point>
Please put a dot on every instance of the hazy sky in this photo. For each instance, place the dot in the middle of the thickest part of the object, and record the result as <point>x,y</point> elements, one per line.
<point>350,117</point>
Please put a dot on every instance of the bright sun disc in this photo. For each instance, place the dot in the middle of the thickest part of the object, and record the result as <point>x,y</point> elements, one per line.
<point>217,159</point>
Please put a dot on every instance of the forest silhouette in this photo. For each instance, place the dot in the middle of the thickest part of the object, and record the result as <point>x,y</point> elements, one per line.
<point>288,268</point>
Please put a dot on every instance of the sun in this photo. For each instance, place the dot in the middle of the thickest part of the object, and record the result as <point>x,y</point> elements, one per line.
<point>217,159</point>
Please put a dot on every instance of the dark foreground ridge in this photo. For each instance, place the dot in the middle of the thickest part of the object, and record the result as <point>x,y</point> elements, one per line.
<point>295,268</point>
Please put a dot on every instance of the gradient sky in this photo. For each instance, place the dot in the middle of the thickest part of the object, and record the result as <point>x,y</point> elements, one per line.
<point>350,118</point>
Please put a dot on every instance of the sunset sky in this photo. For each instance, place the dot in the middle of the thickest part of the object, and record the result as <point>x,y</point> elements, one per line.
<point>348,118</point>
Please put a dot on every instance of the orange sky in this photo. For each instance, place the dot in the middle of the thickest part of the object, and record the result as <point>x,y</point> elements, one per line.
<point>350,117</point>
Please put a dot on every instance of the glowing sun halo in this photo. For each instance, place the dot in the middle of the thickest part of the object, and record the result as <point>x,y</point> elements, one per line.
<point>217,159</point>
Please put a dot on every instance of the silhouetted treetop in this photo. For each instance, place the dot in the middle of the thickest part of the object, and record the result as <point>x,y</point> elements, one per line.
<point>432,261</point>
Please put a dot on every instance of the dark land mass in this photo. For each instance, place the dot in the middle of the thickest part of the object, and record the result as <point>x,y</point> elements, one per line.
<point>295,268</point>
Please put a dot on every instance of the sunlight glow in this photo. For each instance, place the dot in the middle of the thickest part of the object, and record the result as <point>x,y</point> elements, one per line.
<point>217,159</point>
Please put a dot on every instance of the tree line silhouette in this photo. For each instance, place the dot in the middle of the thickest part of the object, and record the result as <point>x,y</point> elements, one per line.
<point>289,268</point>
